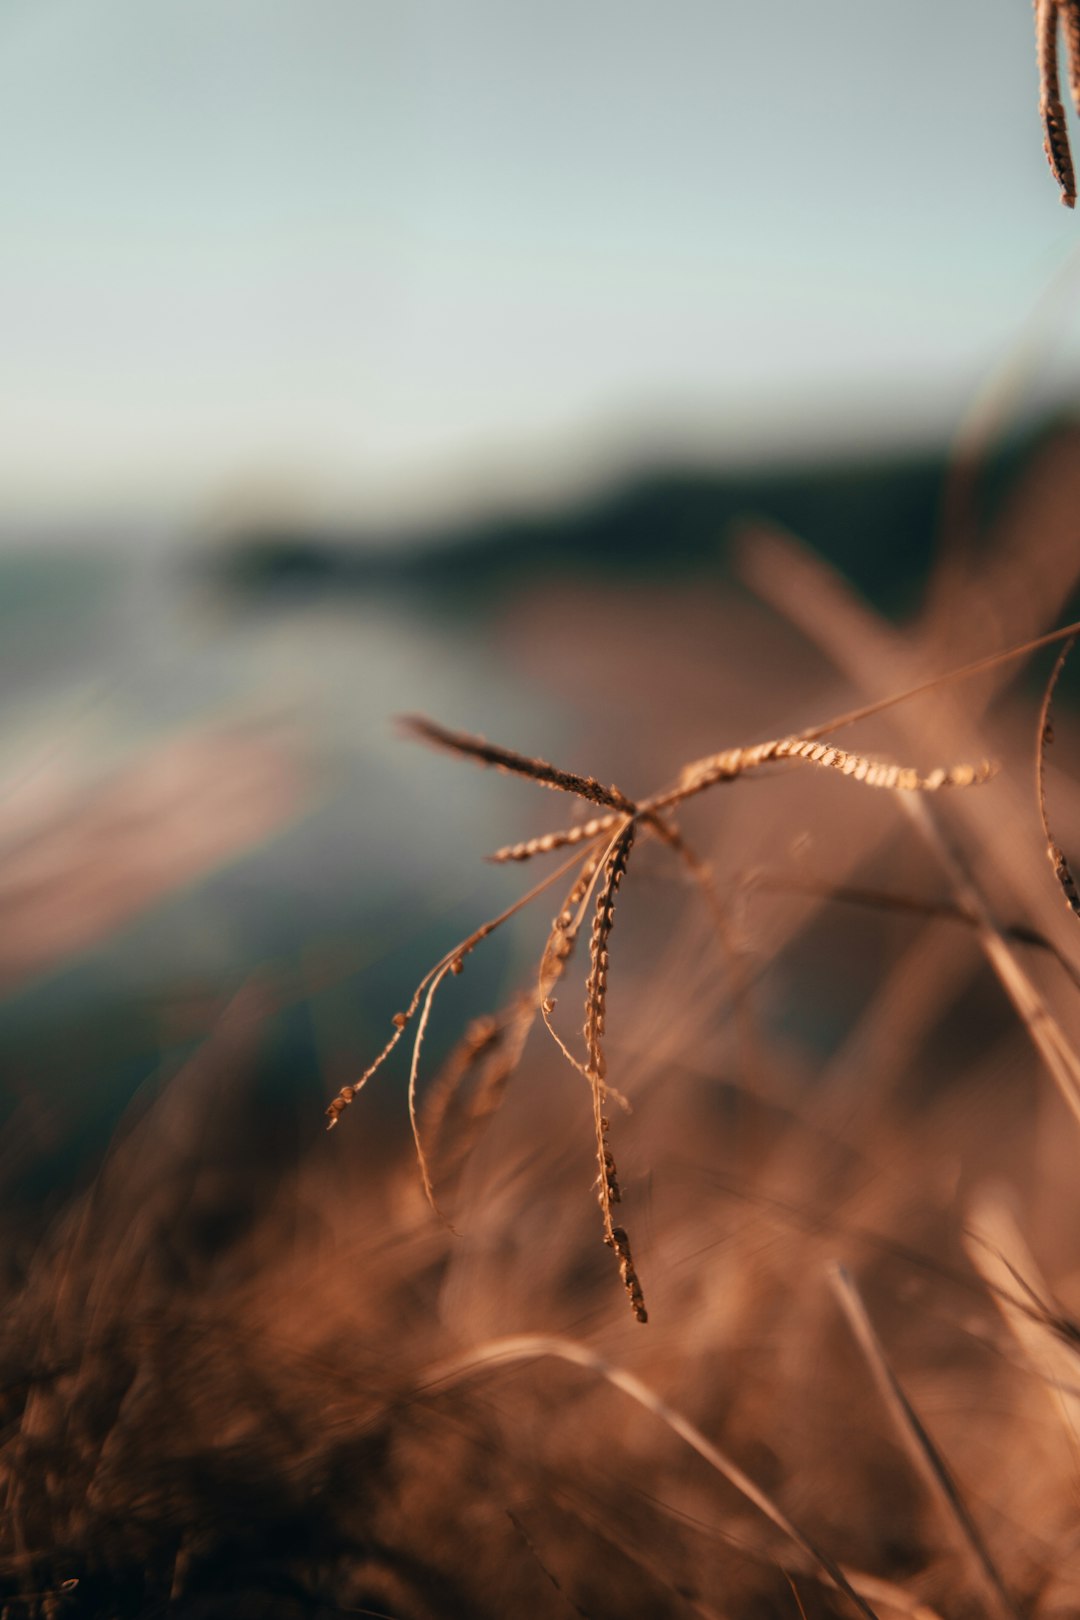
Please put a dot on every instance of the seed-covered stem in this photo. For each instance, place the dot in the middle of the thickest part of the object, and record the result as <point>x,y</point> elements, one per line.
<point>609,1193</point>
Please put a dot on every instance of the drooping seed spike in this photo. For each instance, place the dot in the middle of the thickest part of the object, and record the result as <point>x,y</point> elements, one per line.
<point>514,764</point>
<point>1051,110</point>
<point>1069,12</point>
<point>547,842</point>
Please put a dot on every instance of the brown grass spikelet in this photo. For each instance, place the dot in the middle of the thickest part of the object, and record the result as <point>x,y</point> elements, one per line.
<point>873,773</point>
<point>512,763</point>
<point>620,1242</point>
<point>1070,22</point>
<point>1045,737</point>
<point>615,865</point>
<point>561,942</point>
<point>608,1190</point>
<point>1048,13</point>
<point>547,842</point>
<point>565,928</point>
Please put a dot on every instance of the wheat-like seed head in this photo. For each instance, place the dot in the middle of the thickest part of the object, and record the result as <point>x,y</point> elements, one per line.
<point>566,927</point>
<point>546,842</point>
<point>1070,21</point>
<point>608,1190</point>
<point>600,869</point>
<point>1048,14</point>
<point>733,762</point>
<point>514,764</point>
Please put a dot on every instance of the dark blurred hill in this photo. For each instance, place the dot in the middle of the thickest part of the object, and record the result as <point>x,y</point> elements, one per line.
<point>878,521</point>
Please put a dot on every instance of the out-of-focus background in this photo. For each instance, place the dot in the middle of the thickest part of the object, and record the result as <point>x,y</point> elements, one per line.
<point>622,382</point>
<point>361,359</point>
<point>357,357</point>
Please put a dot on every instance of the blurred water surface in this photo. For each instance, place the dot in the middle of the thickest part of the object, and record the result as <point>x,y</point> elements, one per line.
<point>193,789</point>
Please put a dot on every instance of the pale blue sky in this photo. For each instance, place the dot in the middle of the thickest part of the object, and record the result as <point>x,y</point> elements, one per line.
<point>392,256</point>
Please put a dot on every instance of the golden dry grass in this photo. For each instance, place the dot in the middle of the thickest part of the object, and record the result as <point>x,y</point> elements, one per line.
<point>606,844</point>
<point>237,1383</point>
<point>234,1385</point>
<point>858,1388</point>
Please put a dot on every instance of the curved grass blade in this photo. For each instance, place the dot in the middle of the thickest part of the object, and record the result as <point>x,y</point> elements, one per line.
<point>532,1347</point>
<point>1056,854</point>
<point>963,672</point>
<point>912,906</point>
<point>450,963</point>
<point>924,1453</point>
<point>488,1054</point>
